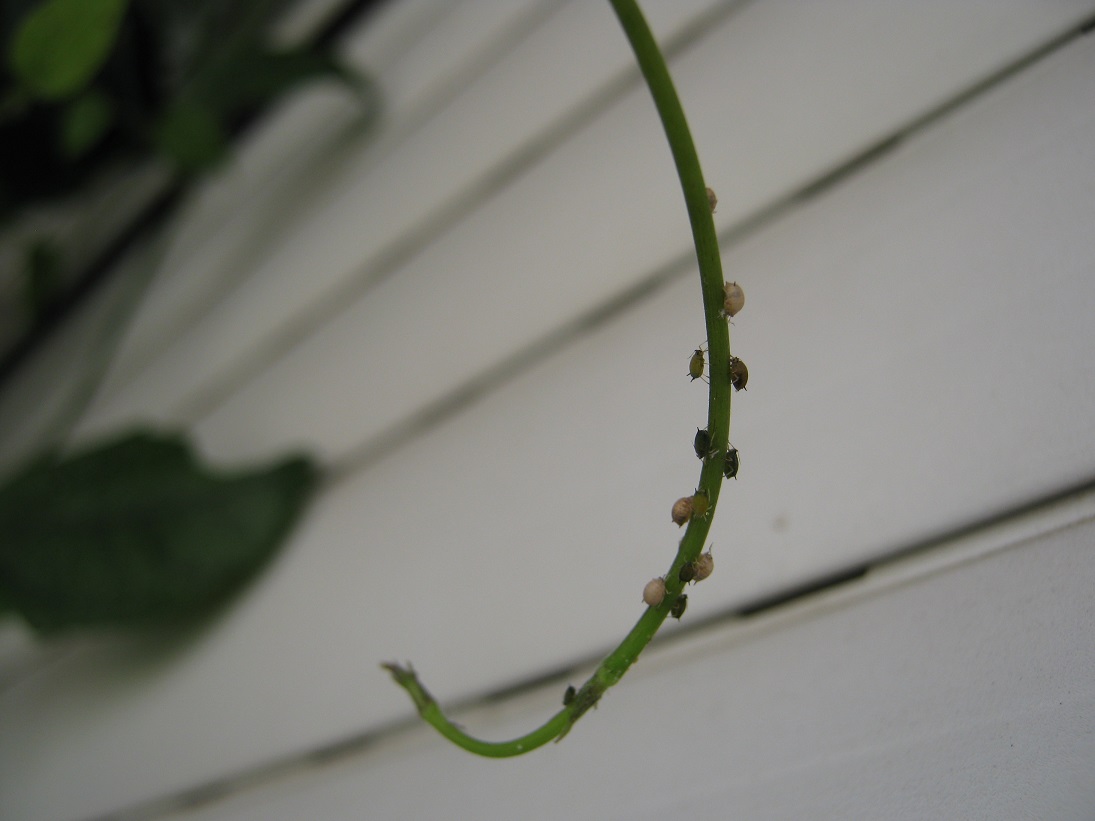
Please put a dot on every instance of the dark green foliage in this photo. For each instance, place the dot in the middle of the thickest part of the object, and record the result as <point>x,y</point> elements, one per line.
<point>191,136</point>
<point>86,83</point>
<point>136,531</point>
<point>43,275</point>
<point>84,122</point>
<point>60,45</point>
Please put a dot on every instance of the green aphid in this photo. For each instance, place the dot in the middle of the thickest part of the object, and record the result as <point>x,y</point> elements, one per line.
<point>696,364</point>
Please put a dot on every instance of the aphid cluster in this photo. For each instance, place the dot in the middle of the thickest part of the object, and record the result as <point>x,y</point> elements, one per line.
<point>698,570</point>
<point>699,504</point>
<point>690,507</point>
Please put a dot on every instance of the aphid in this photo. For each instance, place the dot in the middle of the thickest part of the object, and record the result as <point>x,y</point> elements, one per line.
<point>730,464</point>
<point>712,200</point>
<point>695,364</point>
<point>703,566</point>
<point>682,511</point>
<point>702,443</point>
<point>678,606</point>
<point>568,696</point>
<point>654,592</point>
<point>739,374</point>
<point>699,569</point>
<point>733,298</point>
<point>700,504</point>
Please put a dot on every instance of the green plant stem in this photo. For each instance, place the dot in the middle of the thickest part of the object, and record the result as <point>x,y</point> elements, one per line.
<point>613,667</point>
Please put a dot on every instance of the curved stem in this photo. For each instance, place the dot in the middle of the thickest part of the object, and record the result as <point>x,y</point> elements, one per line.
<point>613,667</point>
<point>428,709</point>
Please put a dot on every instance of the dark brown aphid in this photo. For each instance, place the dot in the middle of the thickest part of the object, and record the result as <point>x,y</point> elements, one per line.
<point>698,570</point>
<point>679,606</point>
<point>682,511</point>
<point>734,298</point>
<point>739,374</point>
<point>730,464</point>
<point>568,696</point>
<point>702,443</point>
<point>695,364</point>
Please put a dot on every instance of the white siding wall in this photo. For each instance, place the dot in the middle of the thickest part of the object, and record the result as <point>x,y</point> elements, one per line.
<point>480,315</point>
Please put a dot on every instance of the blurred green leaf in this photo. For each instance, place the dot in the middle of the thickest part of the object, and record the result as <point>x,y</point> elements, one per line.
<point>42,275</point>
<point>62,43</point>
<point>137,532</point>
<point>191,136</point>
<point>85,121</point>
<point>253,75</point>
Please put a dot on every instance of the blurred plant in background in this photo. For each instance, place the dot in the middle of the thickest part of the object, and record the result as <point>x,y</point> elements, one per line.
<point>137,532</point>
<point>91,85</point>
<point>88,81</point>
<point>134,530</point>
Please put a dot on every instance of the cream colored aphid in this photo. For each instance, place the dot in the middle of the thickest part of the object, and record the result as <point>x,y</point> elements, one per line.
<point>682,511</point>
<point>654,592</point>
<point>712,200</point>
<point>734,298</point>
<point>703,566</point>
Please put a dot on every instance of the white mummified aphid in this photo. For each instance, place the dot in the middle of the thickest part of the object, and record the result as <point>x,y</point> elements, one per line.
<point>682,511</point>
<point>698,570</point>
<point>734,299</point>
<point>654,592</point>
<point>703,566</point>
